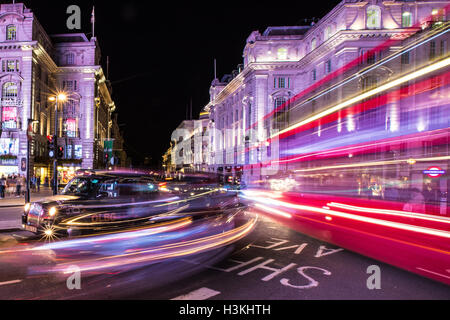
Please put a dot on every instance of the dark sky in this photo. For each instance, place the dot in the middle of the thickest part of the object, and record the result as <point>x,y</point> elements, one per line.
<point>162,56</point>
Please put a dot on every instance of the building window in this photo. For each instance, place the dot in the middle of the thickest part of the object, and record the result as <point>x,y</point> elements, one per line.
<point>314,75</point>
<point>313,44</point>
<point>373,17</point>
<point>70,85</point>
<point>11,33</point>
<point>281,83</point>
<point>405,58</point>
<point>70,59</point>
<point>438,15</point>
<point>432,50</point>
<point>328,66</point>
<point>328,32</point>
<point>281,112</point>
<point>282,54</point>
<point>10,66</point>
<point>406,20</point>
<point>368,57</point>
<point>10,90</point>
<point>443,48</point>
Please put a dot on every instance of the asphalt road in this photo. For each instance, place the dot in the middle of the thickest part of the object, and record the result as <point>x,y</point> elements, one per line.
<point>273,263</point>
<point>10,218</point>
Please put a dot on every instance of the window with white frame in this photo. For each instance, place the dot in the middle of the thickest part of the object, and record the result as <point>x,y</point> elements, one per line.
<point>11,33</point>
<point>328,32</point>
<point>406,19</point>
<point>313,44</point>
<point>12,65</point>
<point>373,16</point>
<point>282,54</point>
<point>281,83</point>
<point>281,111</point>
<point>9,90</point>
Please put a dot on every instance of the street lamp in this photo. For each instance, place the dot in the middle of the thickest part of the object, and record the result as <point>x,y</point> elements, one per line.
<point>61,97</point>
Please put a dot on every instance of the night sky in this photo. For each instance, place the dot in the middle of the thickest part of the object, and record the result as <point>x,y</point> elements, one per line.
<point>162,56</point>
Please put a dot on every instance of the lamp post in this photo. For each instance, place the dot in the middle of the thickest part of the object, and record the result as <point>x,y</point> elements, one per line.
<point>60,97</point>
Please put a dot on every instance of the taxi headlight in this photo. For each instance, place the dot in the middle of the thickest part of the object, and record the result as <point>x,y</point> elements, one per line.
<point>27,207</point>
<point>52,212</point>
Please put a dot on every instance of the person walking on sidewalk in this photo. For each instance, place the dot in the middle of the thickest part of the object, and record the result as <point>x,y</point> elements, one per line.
<point>2,187</point>
<point>38,183</point>
<point>18,186</point>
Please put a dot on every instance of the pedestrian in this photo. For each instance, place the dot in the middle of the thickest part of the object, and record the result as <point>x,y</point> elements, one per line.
<point>2,187</point>
<point>38,183</point>
<point>18,186</point>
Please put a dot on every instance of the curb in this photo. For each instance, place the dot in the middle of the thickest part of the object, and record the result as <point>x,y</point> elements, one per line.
<point>12,206</point>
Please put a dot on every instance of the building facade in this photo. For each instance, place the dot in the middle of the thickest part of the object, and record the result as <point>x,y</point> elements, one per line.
<point>36,67</point>
<point>354,80</point>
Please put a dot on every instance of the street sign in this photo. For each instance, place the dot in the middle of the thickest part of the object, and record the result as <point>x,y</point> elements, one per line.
<point>434,172</point>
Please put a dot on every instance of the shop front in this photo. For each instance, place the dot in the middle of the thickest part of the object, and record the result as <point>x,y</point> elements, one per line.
<point>67,173</point>
<point>9,163</point>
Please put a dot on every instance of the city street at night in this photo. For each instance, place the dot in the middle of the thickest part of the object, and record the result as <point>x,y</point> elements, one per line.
<point>264,266</point>
<point>254,153</point>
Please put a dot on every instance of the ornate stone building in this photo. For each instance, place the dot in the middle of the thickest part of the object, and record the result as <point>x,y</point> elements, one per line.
<point>36,66</point>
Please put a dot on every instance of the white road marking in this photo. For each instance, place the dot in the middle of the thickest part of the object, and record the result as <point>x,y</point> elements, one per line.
<point>10,282</point>
<point>438,274</point>
<point>198,295</point>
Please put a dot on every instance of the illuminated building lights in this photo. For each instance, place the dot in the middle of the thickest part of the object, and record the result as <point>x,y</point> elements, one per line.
<point>331,213</point>
<point>392,84</point>
<point>390,212</point>
<point>371,164</point>
<point>349,66</point>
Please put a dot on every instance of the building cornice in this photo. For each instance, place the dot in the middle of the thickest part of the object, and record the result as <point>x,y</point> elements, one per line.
<point>78,69</point>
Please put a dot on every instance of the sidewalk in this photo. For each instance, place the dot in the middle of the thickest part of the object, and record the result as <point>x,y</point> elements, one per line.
<point>12,201</point>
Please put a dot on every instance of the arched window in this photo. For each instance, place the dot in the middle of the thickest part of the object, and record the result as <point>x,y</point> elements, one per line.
<point>9,90</point>
<point>281,115</point>
<point>11,33</point>
<point>313,44</point>
<point>373,17</point>
<point>282,54</point>
<point>406,19</point>
<point>279,102</point>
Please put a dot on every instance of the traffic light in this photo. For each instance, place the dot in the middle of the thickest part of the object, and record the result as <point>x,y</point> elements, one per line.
<point>60,152</point>
<point>51,146</point>
<point>107,158</point>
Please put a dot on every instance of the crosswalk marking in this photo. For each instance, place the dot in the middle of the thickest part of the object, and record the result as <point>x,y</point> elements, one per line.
<point>197,295</point>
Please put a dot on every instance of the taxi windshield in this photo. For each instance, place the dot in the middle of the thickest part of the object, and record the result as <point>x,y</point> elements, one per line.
<point>83,187</point>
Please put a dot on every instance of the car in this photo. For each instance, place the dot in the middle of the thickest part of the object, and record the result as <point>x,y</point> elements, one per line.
<point>97,201</point>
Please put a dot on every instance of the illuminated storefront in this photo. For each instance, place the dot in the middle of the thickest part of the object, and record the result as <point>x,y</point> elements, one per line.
<point>67,173</point>
<point>9,150</point>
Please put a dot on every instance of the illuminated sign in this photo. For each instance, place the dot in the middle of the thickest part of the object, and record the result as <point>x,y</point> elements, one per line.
<point>9,117</point>
<point>6,102</point>
<point>9,146</point>
<point>434,172</point>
